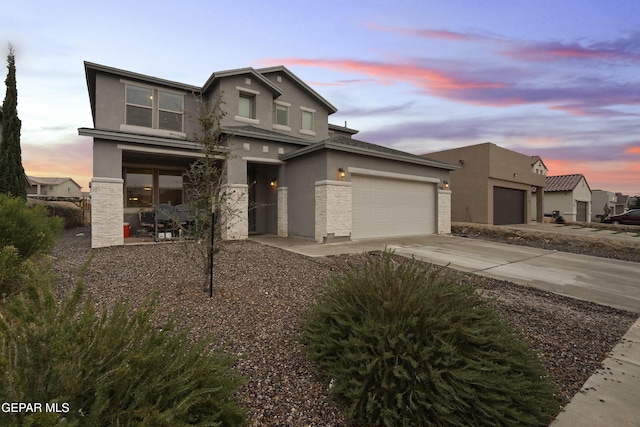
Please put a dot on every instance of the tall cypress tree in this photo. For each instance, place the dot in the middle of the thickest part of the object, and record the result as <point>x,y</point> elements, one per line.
<point>12,176</point>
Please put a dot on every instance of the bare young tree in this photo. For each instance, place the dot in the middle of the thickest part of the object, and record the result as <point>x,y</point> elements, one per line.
<point>204,192</point>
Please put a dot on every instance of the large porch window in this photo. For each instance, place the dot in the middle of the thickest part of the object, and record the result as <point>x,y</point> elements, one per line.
<point>146,187</point>
<point>170,187</point>
<point>139,187</point>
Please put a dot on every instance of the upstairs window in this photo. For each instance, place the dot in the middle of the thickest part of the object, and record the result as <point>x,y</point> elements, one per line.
<point>153,108</point>
<point>139,106</point>
<point>245,106</point>
<point>170,111</point>
<point>282,115</point>
<point>306,127</point>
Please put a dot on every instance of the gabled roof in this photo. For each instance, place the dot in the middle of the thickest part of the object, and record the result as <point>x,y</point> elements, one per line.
<point>535,159</point>
<point>300,83</point>
<point>343,143</point>
<point>563,182</point>
<point>238,72</point>
<point>91,69</point>
<point>34,180</point>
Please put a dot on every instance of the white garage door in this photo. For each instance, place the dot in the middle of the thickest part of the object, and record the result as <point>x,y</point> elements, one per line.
<point>384,207</point>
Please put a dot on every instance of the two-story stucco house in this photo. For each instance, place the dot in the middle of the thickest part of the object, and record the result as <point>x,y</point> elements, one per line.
<point>492,185</point>
<point>309,178</point>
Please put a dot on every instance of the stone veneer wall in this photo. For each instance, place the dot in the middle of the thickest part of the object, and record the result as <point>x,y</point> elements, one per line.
<point>283,219</point>
<point>444,211</point>
<point>333,210</point>
<point>107,212</point>
<point>234,212</point>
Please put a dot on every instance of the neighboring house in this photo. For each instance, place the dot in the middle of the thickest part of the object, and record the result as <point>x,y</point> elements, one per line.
<point>53,187</point>
<point>568,196</point>
<point>308,178</point>
<point>538,166</point>
<point>600,199</point>
<point>492,186</point>
<point>622,204</point>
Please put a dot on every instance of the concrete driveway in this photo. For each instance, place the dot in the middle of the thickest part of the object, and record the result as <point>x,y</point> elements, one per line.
<point>603,281</point>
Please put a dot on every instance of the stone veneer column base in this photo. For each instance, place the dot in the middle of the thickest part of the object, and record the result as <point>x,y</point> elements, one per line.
<point>283,218</point>
<point>333,210</point>
<point>444,211</point>
<point>234,212</point>
<point>107,212</point>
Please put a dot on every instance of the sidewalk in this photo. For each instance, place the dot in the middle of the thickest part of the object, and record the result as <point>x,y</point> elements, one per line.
<point>611,396</point>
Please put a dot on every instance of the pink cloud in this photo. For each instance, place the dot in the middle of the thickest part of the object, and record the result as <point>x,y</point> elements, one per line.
<point>613,175</point>
<point>426,78</point>
<point>633,150</point>
<point>437,34</point>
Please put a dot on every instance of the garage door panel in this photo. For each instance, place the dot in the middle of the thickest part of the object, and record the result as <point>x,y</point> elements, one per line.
<point>385,207</point>
<point>508,206</point>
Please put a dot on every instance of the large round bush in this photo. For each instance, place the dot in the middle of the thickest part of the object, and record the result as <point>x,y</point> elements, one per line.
<point>399,345</point>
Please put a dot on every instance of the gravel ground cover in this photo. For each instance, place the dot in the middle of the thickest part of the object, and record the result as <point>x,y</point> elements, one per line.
<point>261,293</point>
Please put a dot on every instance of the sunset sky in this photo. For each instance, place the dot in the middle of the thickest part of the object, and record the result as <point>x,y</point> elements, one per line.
<point>558,79</point>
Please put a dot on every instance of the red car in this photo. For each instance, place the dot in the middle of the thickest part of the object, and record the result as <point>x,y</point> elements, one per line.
<point>631,217</point>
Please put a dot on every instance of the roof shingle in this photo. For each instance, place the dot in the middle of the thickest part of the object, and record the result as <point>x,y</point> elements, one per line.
<point>563,182</point>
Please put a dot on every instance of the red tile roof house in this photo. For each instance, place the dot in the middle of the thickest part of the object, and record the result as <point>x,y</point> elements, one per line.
<point>569,196</point>
<point>311,179</point>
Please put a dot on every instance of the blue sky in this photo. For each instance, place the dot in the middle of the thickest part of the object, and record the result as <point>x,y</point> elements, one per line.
<point>558,79</point>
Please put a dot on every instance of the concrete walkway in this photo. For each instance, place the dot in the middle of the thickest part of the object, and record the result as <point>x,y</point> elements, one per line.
<point>611,396</point>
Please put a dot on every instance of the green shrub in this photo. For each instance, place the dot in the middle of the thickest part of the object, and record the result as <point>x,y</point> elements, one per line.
<point>115,369</point>
<point>30,230</point>
<point>400,345</point>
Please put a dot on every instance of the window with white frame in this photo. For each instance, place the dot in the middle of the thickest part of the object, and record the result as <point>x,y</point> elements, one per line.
<point>306,126</point>
<point>170,108</point>
<point>139,106</point>
<point>282,115</point>
<point>154,108</point>
<point>245,105</point>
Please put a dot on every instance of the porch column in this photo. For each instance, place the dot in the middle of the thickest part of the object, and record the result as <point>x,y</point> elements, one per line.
<point>283,219</point>
<point>333,211</point>
<point>234,212</point>
<point>107,212</point>
<point>444,211</point>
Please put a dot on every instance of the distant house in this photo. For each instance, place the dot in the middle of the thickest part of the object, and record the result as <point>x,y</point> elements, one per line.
<point>538,166</point>
<point>600,199</point>
<point>53,187</point>
<point>568,196</point>
<point>622,203</point>
<point>492,186</point>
